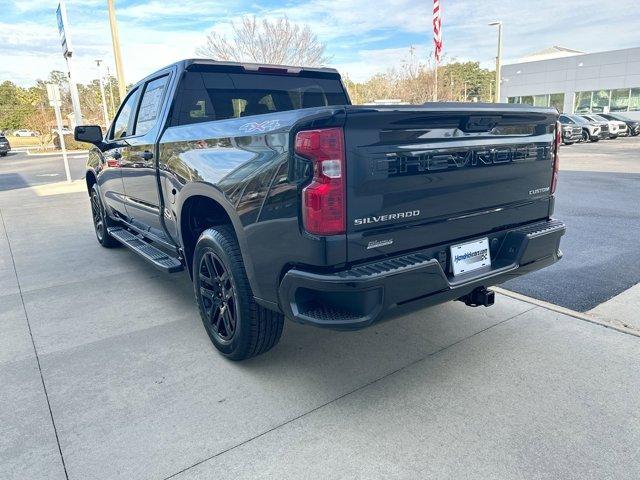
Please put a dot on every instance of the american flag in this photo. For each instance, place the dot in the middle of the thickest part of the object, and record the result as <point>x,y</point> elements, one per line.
<point>437,29</point>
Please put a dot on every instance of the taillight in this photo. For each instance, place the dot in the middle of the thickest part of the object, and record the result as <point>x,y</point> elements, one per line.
<point>556,158</point>
<point>323,200</point>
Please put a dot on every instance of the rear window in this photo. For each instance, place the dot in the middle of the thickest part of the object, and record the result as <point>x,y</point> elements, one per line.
<point>205,96</point>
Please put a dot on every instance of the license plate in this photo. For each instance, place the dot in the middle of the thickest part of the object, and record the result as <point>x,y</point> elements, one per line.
<point>470,256</point>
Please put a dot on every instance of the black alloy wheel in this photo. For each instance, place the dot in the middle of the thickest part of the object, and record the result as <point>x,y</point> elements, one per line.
<point>218,297</point>
<point>96,213</point>
<point>101,221</point>
<point>237,325</point>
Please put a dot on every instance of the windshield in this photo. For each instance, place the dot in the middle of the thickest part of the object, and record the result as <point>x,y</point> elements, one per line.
<point>617,116</point>
<point>578,120</point>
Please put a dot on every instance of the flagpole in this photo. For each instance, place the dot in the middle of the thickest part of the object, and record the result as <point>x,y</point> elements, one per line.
<point>435,88</point>
<point>437,43</point>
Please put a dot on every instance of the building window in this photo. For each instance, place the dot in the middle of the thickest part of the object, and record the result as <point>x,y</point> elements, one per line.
<point>619,100</point>
<point>557,100</point>
<point>634,99</point>
<point>547,100</point>
<point>583,102</point>
<point>600,101</point>
<point>541,100</point>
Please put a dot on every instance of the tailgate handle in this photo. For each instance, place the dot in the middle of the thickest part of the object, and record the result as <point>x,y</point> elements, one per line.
<point>481,123</point>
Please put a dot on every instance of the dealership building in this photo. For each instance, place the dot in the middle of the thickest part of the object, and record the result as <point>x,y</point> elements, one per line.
<point>576,82</point>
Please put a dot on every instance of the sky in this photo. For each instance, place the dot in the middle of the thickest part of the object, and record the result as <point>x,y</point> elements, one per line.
<point>363,37</point>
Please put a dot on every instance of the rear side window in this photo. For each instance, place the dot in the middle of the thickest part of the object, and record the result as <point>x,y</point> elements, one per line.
<point>124,118</point>
<point>150,105</point>
<point>206,96</point>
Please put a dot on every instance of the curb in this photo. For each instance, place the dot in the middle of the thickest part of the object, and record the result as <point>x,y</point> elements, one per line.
<point>567,311</point>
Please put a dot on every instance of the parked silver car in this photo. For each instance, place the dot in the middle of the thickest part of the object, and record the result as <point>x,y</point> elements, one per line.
<point>591,131</point>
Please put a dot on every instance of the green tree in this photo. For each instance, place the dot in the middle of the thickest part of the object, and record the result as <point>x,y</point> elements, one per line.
<point>467,78</point>
<point>414,82</point>
<point>15,107</point>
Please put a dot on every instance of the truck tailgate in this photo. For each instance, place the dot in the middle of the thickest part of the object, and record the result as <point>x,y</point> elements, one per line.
<point>425,175</point>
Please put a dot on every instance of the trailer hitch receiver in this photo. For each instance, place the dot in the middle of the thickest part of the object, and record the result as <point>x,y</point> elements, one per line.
<point>480,296</point>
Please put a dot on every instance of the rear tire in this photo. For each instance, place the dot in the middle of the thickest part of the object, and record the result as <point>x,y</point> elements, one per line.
<point>238,327</point>
<point>101,221</point>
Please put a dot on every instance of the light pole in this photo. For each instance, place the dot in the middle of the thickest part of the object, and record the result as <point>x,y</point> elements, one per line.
<point>115,39</point>
<point>105,114</point>
<point>498,59</point>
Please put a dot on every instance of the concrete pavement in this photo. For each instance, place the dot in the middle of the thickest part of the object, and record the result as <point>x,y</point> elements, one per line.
<point>107,373</point>
<point>623,309</point>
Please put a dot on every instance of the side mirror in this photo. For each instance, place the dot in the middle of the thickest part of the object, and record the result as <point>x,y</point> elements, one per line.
<point>88,134</point>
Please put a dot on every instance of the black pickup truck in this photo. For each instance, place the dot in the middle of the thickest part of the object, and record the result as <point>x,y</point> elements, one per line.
<point>282,199</point>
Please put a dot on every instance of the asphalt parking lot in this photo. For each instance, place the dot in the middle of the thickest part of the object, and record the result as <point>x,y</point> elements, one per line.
<point>19,170</point>
<point>598,199</point>
<point>107,373</point>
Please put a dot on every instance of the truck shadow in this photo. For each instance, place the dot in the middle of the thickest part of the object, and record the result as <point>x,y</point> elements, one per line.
<point>12,181</point>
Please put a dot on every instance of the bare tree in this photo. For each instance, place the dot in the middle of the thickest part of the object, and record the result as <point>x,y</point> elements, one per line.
<point>278,42</point>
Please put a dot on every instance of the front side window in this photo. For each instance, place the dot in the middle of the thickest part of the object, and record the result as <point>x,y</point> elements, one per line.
<point>150,105</point>
<point>122,121</point>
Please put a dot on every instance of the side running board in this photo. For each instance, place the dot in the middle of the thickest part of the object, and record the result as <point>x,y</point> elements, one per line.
<point>153,255</point>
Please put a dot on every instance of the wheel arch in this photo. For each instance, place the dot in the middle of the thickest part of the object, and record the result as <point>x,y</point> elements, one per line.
<point>206,204</point>
<point>91,179</point>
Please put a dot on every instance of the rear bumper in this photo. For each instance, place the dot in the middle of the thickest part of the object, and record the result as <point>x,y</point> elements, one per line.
<point>369,292</point>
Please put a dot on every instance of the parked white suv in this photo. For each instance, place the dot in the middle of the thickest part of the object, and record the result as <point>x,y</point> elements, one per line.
<point>25,133</point>
<point>616,127</point>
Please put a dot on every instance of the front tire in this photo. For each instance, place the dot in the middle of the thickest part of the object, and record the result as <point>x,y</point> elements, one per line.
<point>238,327</point>
<point>100,220</point>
